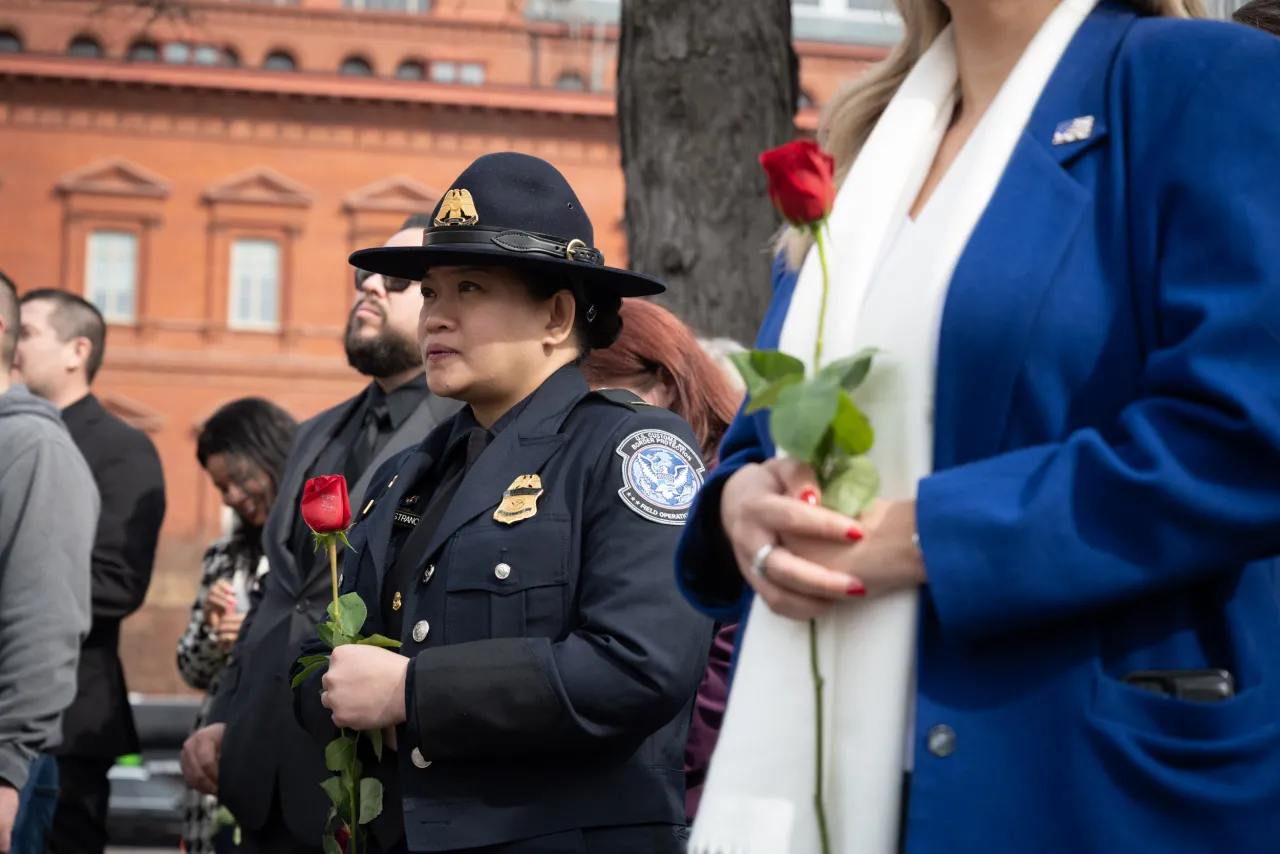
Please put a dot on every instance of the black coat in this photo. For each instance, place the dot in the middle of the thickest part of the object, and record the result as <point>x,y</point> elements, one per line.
<point>554,660</point>
<point>126,468</point>
<point>264,751</point>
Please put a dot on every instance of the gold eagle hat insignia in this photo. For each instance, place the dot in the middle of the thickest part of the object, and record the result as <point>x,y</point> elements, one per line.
<point>458,208</point>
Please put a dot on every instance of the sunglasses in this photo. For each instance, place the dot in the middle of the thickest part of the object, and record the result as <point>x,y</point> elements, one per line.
<point>392,284</point>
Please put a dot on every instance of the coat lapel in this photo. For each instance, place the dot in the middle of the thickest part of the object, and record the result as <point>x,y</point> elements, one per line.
<point>284,512</point>
<point>1014,253</point>
<point>382,514</point>
<point>522,448</point>
<point>430,412</point>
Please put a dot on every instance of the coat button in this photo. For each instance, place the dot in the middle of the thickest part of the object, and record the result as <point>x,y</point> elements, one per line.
<point>418,759</point>
<point>941,741</point>
<point>420,630</point>
<point>302,607</point>
<point>502,570</point>
<point>431,570</point>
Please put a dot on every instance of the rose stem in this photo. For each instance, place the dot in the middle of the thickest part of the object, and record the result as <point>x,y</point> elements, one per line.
<point>333,571</point>
<point>818,804</point>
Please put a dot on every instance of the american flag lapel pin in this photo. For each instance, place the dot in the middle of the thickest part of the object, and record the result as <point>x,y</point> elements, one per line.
<point>1076,130</point>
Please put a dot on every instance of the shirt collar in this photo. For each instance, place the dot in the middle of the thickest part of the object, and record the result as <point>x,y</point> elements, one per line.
<point>401,401</point>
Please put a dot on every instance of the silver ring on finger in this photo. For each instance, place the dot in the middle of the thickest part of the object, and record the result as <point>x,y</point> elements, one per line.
<point>757,562</point>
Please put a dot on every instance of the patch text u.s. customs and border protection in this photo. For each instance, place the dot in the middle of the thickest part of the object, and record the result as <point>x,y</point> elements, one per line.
<point>661,475</point>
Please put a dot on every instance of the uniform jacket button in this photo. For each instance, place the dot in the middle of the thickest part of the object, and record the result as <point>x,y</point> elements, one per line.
<point>941,741</point>
<point>302,607</point>
<point>502,570</point>
<point>418,759</point>
<point>431,570</point>
<point>420,630</point>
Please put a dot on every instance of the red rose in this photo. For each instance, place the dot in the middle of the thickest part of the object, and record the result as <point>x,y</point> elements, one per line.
<point>342,836</point>
<point>325,507</point>
<point>801,181</point>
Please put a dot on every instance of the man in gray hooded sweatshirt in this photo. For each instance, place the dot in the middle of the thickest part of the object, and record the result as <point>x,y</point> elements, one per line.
<point>48,518</point>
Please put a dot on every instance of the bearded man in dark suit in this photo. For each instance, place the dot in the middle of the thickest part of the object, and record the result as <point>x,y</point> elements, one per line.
<point>252,754</point>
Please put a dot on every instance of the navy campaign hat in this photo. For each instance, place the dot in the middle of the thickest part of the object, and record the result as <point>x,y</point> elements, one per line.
<point>511,210</point>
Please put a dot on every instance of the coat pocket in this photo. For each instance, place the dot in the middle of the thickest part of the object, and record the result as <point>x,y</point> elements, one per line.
<point>508,582</point>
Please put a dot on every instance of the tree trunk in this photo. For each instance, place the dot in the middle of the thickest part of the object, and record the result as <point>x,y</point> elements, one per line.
<point>704,86</point>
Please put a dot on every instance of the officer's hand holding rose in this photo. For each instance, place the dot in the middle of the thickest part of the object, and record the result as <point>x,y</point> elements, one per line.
<point>364,687</point>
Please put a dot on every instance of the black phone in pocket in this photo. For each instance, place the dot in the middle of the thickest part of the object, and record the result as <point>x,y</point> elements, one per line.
<point>1194,686</point>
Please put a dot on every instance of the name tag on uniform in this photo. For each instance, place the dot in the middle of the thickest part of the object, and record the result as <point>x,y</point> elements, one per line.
<point>404,517</point>
<point>520,501</point>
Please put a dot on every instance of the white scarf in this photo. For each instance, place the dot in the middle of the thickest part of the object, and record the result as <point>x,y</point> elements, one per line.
<point>759,793</point>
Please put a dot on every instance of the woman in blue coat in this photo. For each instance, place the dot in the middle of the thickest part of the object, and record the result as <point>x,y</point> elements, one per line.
<point>1082,503</point>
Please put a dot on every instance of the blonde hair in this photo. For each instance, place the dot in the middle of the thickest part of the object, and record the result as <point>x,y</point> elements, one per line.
<point>848,118</point>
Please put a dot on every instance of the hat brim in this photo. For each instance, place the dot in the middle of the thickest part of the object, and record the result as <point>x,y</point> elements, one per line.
<point>412,262</point>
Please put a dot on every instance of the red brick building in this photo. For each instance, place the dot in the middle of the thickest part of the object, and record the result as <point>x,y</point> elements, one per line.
<point>202,177</point>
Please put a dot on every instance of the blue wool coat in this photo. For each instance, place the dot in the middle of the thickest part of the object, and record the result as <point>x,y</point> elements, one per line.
<point>1107,488</point>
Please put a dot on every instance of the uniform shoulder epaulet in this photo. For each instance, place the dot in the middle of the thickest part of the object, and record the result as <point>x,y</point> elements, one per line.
<point>622,397</point>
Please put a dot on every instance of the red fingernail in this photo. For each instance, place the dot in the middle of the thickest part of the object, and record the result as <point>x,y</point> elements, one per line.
<point>854,533</point>
<point>856,589</point>
<point>810,497</point>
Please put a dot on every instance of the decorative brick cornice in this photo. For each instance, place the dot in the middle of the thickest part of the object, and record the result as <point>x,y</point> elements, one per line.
<point>260,185</point>
<point>114,177</point>
<point>398,194</point>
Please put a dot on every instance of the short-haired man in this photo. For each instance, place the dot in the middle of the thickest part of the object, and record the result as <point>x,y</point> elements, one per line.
<point>60,350</point>
<point>262,765</point>
<point>48,515</point>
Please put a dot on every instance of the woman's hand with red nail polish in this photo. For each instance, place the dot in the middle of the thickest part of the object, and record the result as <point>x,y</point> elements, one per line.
<point>878,554</point>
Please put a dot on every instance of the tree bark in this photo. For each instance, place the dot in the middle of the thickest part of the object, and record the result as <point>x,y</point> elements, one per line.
<point>704,86</point>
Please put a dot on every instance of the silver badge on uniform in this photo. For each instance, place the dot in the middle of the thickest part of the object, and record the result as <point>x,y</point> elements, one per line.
<point>661,475</point>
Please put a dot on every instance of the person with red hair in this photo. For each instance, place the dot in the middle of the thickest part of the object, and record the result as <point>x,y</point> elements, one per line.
<point>658,358</point>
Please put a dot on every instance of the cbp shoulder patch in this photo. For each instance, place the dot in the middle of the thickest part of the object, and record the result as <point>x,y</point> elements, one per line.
<point>661,475</point>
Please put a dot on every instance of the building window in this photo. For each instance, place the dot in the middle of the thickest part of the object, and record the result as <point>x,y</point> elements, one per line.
<point>278,60</point>
<point>111,273</point>
<point>143,51</point>
<point>389,5</point>
<point>255,285</point>
<point>444,72</point>
<point>86,47</point>
<point>471,73</point>
<point>177,53</point>
<point>805,101</point>
<point>207,54</point>
<point>571,81</point>
<point>230,58</point>
<point>10,42</point>
<point>354,66</point>
<point>411,69</point>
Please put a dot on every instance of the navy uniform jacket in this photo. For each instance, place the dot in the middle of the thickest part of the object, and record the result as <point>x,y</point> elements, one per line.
<point>554,660</point>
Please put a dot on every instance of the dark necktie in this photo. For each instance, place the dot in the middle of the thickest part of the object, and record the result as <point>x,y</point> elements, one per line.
<point>365,447</point>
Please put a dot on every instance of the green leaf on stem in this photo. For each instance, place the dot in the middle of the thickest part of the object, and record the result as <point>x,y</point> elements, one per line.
<point>802,416</point>
<point>759,368</point>
<point>853,487</point>
<point>328,635</point>
<point>379,640</point>
<point>342,535</point>
<point>330,844</point>
<point>333,788</point>
<point>767,396</point>
<point>305,672</point>
<point>339,753</point>
<point>375,738</point>
<point>351,614</point>
<point>308,660</point>
<point>849,373</point>
<point>370,799</point>
<point>850,428</point>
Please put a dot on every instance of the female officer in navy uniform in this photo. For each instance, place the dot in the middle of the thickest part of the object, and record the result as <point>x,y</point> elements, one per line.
<point>522,553</point>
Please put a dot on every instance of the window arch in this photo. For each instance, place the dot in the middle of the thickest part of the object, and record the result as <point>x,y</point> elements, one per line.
<point>571,81</point>
<point>10,42</point>
<point>230,57</point>
<point>279,60</point>
<point>412,69</point>
<point>85,46</point>
<point>143,51</point>
<point>356,66</point>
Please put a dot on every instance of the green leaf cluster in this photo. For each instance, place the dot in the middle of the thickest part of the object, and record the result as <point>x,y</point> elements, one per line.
<point>816,421</point>
<point>356,800</point>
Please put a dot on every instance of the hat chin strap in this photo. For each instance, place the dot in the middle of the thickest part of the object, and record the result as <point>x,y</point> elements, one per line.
<point>514,240</point>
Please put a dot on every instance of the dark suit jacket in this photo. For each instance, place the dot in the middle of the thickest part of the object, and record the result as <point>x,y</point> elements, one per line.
<point>554,665</point>
<point>264,750</point>
<point>126,468</point>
